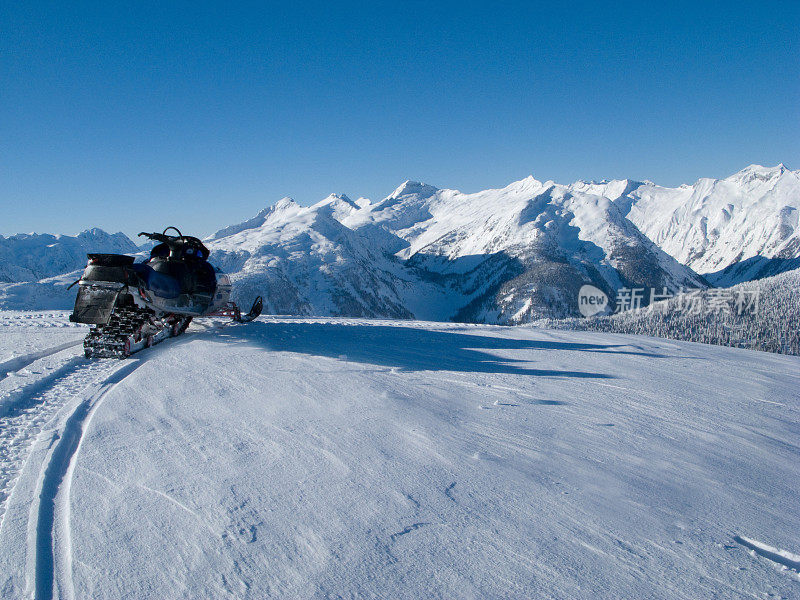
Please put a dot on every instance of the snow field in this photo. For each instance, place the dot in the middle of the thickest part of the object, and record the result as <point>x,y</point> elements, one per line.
<point>355,458</point>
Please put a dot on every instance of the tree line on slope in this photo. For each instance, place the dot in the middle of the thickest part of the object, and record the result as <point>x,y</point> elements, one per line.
<point>770,326</point>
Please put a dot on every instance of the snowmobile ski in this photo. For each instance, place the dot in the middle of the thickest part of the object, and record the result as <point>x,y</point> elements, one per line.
<point>255,311</point>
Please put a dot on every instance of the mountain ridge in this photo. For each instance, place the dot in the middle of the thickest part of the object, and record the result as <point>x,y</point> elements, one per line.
<point>504,255</point>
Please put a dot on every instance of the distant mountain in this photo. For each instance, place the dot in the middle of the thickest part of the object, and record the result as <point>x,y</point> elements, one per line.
<point>31,256</point>
<point>521,251</point>
<point>731,230</point>
<point>305,262</point>
<point>500,256</point>
<point>509,255</point>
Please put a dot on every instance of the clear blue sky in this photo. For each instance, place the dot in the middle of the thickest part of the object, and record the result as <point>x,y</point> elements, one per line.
<point>139,115</point>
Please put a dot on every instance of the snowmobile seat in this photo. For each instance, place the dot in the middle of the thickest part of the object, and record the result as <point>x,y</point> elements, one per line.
<point>107,267</point>
<point>159,251</point>
<point>110,260</point>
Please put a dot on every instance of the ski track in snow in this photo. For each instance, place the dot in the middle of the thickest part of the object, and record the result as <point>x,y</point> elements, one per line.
<point>31,409</point>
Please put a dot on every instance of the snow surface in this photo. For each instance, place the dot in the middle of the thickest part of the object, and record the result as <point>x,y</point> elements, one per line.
<point>356,458</point>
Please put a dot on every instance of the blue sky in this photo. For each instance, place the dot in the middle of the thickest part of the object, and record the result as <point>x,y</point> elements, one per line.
<point>132,116</point>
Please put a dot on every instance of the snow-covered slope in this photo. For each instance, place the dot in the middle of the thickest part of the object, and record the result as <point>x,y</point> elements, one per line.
<point>312,458</point>
<point>31,257</point>
<point>49,293</point>
<point>751,216</point>
<point>759,315</point>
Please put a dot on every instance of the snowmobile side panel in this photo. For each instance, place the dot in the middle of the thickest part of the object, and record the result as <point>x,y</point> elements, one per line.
<point>194,305</point>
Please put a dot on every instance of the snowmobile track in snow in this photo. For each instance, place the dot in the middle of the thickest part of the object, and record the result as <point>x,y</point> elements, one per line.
<point>26,411</point>
<point>57,478</point>
<point>33,415</point>
<point>20,362</point>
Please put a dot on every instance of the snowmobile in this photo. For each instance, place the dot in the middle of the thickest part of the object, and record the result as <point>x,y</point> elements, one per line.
<point>137,305</point>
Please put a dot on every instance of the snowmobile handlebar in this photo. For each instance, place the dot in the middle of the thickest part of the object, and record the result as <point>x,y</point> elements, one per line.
<point>160,237</point>
<point>179,245</point>
<point>173,242</point>
<point>163,237</point>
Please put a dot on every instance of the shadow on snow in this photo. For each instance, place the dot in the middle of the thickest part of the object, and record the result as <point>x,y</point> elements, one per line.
<point>405,348</point>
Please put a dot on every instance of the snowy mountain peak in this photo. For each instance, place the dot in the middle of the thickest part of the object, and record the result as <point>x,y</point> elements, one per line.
<point>616,190</point>
<point>338,206</point>
<point>334,197</point>
<point>758,172</point>
<point>284,203</point>
<point>417,188</point>
<point>526,185</point>
<point>716,223</point>
<point>337,200</point>
<point>95,235</point>
<point>283,208</point>
<point>94,231</point>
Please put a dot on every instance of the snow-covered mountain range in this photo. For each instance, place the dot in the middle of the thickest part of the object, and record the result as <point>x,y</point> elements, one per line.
<point>730,230</point>
<point>33,256</point>
<point>509,255</point>
<point>500,256</point>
